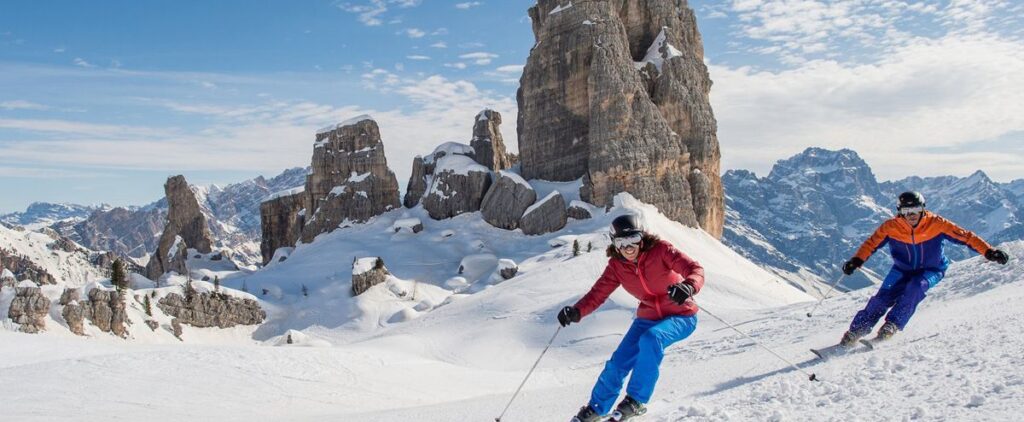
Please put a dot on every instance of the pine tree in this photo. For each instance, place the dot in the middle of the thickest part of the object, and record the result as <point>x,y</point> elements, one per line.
<point>216,283</point>
<point>147,305</point>
<point>590,246</point>
<point>289,338</point>
<point>575,248</point>
<point>117,275</point>
<point>305,291</point>
<point>189,290</point>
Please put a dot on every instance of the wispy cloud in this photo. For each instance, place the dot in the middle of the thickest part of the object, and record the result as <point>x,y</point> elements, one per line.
<point>370,13</point>
<point>439,44</point>
<point>22,105</point>
<point>456,65</point>
<point>80,128</point>
<point>479,58</point>
<point>417,57</point>
<point>414,32</point>
<point>59,50</point>
<point>467,5</point>
<point>78,61</point>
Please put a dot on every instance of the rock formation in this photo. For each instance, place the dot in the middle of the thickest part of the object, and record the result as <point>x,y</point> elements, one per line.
<point>29,308</point>
<point>616,93</point>
<point>106,310</point>
<point>506,200</point>
<point>579,210</point>
<point>73,312</point>
<point>418,182</point>
<point>487,143</point>
<point>212,309</point>
<point>22,267</point>
<point>458,186</point>
<point>366,273</point>
<point>349,181</point>
<point>545,216</point>
<point>186,228</point>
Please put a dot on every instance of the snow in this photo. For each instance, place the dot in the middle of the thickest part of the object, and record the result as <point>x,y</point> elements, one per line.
<point>570,190</point>
<point>538,204</point>
<point>449,149</point>
<point>338,190</point>
<point>515,177</point>
<point>363,265</point>
<point>348,122</point>
<point>283,193</point>
<point>656,55</point>
<point>560,8</point>
<point>6,274</point>
<point>74,268</point>
<point>410,349</point>
<point>588,22</point>
<point>458,164</point>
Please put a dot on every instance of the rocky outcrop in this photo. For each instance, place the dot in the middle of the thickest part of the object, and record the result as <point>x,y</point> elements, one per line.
<point>282,218</point>
<point>579,210</point>
<point>507,268</point>
<point>488,144</point>
<point>545,216</point>
<point>106,310</point>
<point>211,309</point>
<point>7,278</point>
<point>186,228</point>
<point>616,93</point>
<point>366,273</point>
<point>458,186</point>
<point>22,267</point>
<point>73,312</point>
<point>506,200</point>
<point>418,182</point>
<point>350,178</point>
<point>348,182</point>
<point>120,230</point>
<point>29,309</point>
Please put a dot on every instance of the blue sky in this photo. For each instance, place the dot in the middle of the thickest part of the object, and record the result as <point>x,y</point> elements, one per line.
<point>101,101</point>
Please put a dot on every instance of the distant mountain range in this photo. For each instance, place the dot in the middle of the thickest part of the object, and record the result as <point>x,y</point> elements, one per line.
<point>814,209</point>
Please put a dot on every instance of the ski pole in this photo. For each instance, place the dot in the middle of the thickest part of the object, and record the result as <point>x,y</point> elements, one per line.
<point>826,295</point>
<point>810,375</point>
<point>498,419</point>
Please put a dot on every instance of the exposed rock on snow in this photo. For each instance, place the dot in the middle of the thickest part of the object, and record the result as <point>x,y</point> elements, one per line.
<point>586,111</point>
<point>507,268</point>
<point>579,210</point>
<point>29,309</point>
<point>408,225</point>
<point>506,200</point>
<point>281,223</point>
<point>106,310</point>
<point>458,186</point>
<point>212,309</point>
<point>487,143</point>
<point>366,273</point>
<point>418,182</point>
<point>546,216</point>
<point>186,224</point>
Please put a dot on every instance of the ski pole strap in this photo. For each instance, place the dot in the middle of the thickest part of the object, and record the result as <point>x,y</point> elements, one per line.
<point>830,289</point>
<point>498,419</point>
<point>810,375</point>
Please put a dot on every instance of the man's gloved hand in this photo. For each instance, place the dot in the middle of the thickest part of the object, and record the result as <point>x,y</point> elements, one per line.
<point>852,265</point>
<point>568,315</point>
<point>679,292</point>
<point>997,256</point>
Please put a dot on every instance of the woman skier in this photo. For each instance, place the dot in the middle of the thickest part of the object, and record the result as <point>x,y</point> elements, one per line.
<point>915,239</point>
<point>663,279</point>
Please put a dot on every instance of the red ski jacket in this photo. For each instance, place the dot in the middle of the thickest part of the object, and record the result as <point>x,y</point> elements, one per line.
<point>648,280</point>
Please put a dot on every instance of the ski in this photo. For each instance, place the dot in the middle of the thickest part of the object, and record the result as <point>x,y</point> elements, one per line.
<point>831,351</point>
<point>870,343</point>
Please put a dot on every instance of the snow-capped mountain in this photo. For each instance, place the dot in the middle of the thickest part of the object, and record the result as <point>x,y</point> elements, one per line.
<point>44,214</point>
<point>814,209</point>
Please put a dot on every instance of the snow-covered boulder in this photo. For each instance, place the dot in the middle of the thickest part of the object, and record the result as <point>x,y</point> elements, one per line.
<point>213,309</point>
<point>579,210</point>
<point>107,311</point>
<point>7,278</point>
<point>506,201</point>
<point>366,273</point>
<point>408,225</point>
<point>507,268</point>
<point>546,216</point>
<point>458,186</point>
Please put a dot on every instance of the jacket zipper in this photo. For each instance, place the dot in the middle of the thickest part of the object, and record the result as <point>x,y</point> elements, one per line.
<point>643,283</point>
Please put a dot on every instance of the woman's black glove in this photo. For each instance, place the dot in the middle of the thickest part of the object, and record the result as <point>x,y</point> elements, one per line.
<point>850,266</point>
<point>997,256</point>
<point>568,315</point>
<point>679,292</point>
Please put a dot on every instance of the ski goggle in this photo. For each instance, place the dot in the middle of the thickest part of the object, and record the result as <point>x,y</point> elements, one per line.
<point>622,242</point>
<point>911,210</point>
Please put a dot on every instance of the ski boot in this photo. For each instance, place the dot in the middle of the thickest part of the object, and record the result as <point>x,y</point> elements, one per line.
<point>587,414</point>
<point>850,339</point>
<point>887,331</point>
<point>628,409</point>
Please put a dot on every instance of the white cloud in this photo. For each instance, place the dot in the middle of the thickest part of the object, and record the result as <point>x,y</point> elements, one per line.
<point>22,105</point>
<point>414,32</point>
<point>370,14</point>
<point>456,65</point>
<point>53,126</point>
<point>417,57</point>
<point>439,44</point>
<point>467,5</point>
<point>913,112</point>
<point>512,68</point>
<point>479,58</point>
<point>59,50</point>
<point>439,31</point>
<point>78,61</point>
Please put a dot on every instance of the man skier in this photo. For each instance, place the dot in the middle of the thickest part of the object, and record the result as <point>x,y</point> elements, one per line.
<point>915,239</point>
<point>663,279</point>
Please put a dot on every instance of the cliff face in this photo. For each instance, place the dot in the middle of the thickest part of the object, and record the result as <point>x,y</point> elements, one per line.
<point>349,181</point>
<point>616,93</point>
<point>186,227</point>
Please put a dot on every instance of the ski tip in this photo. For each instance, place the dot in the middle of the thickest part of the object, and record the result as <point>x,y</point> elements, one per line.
<point>808,314</point>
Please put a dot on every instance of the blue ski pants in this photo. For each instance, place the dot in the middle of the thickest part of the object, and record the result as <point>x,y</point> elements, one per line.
<point>640,352</point>
<point>901,291</point>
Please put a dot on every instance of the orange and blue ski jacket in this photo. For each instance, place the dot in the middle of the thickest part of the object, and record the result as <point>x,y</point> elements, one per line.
<point>919,248</point>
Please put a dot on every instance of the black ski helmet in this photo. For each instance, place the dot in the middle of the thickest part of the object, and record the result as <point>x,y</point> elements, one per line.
<point>626,225</point>
<point>910,199</point>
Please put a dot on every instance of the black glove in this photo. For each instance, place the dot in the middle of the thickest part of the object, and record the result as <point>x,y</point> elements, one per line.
<point>679,292</point>
<point>852,265</point>
<point>997,256</point>
<point>568,315</point>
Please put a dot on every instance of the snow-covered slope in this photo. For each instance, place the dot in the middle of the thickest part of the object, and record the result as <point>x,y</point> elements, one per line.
<point>958,360</point>
<point>64,261</point>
